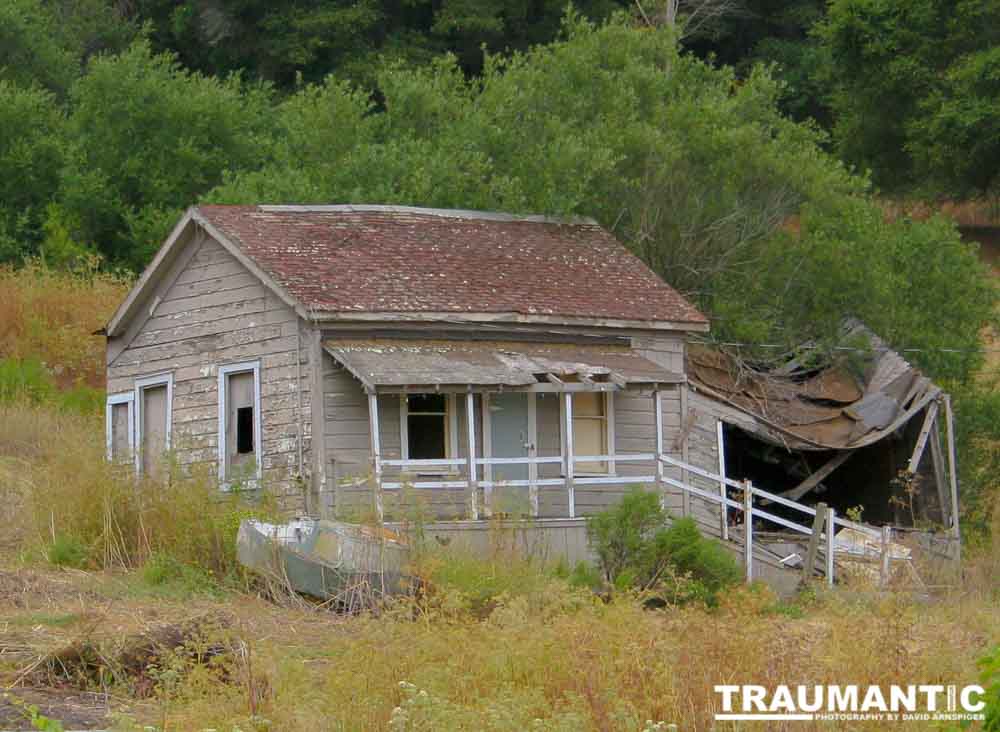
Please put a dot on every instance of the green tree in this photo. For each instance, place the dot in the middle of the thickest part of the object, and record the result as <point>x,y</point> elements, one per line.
<point>47,43</point>
<point>147,138</point>
<point>313,38</point>
<point>30,158</point>
<point>913,90</point>
<point>697,172</point>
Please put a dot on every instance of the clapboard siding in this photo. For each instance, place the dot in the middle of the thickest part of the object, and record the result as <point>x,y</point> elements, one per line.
<point>215,312</point>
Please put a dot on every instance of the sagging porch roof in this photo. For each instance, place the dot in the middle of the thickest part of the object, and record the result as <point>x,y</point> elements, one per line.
<point>392,364</point>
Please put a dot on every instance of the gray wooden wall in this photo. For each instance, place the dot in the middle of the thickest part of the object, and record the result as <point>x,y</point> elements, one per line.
<point>210,311</point>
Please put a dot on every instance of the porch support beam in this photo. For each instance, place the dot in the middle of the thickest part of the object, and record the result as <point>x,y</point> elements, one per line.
<point>568,455</point>
<point>533,453</point>
<point>658,417</point>
<point>470,420</point>
<point>376,450</point>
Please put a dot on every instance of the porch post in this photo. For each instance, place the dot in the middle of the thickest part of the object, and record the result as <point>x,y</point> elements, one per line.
<point>568,454</point>
<point>533,452</point>
<point>470,419</point>
<point>831,533</point>
<point>658,416</point>
<point>748,529</point>
<point>721,447</point>
<point>376,454</point>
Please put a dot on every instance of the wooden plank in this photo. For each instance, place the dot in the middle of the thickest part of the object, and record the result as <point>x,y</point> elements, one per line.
<point>686,510</point>
<point>831,532</point>
<point>748,529</point>
<point>658,416</point>
<point>925,430</point>
<point>940,476</point>
<point>953,476</point>
<point>376,455</point>
<point>809,564</point>
<point>721,451</point>
<point>470,423</point>
<point>816,478</point>
<point>568,455</point>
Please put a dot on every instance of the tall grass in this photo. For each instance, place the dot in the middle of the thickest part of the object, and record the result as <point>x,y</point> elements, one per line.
<point>51,316</point>
<point>63,499</point>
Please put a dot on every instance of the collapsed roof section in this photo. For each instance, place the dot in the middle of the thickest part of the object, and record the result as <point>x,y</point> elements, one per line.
<point>832,408</point>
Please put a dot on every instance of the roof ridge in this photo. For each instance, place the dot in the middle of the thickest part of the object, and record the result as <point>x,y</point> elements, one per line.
<point>454,213</point>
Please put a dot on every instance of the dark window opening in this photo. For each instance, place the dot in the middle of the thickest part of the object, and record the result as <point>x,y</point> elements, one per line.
<point>427,426</point>
<point>244,430</point>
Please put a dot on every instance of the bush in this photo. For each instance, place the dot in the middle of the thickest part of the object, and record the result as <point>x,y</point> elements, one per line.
<point>66,551</point>
<point>639,547</point>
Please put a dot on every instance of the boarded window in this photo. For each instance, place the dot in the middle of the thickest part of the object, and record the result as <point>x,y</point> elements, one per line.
<point>427,426</point>
<point>153,429</point>
<point>240,426</point>
<point>590,429</point>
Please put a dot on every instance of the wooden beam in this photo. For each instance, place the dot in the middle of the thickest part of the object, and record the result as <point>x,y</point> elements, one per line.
<point>470,419</point>
<point>953,475</point>
<point>568,456</point>
<point>831,532</point>
<point>747,529</point>
<point>925,431</point>
<point>658,419</point>
<point>720,446</point>
<point>816,478</point>
<point>554,379</point>
<point>812,549</point>
<point>376,455</point>
<point>940,475</point>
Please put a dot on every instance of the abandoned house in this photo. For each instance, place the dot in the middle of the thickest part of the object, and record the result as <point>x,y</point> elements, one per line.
<point>386,361</point>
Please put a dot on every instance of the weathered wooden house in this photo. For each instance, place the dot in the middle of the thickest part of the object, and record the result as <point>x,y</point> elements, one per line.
<point>388,361</point>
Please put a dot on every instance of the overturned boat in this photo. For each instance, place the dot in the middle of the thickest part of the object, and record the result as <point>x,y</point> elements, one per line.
<point>327,560</point>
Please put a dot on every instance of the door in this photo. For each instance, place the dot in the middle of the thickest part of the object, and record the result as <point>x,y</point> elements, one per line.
<point>509,433</point>
<point>154,428</point>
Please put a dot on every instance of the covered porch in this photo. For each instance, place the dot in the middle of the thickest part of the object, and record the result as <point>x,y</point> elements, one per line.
<point>477,430</point>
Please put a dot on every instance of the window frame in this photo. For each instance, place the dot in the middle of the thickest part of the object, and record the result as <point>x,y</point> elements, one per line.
<point>113,400</point>
<point>225,371</point>
<point>164,379</point>
<point>609,434</point>
<point>451,431</point>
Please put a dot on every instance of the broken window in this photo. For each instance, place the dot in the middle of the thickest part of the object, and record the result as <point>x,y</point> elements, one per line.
<point>240,428</point>
<point>590,429</point>
<point>427,428</point>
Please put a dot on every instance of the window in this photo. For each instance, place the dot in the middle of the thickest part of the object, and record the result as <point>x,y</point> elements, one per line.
<point>428,426</point>
<point>120,426</point>
<point>153,420</point>
<point>591,429</point>
<point>239,422</point>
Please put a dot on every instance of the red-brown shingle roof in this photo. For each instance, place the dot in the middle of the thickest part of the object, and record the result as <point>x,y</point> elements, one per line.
<point>380,259</point>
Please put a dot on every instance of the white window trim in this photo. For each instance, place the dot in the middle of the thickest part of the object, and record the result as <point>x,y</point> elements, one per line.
<point>609,419</point>
<point>451,449</point>
<point>141,385</point>
<point>127,397</point>
<point>224,372</point>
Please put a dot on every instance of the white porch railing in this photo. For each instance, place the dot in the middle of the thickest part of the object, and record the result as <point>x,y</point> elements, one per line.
<point>750,503</point>
<point>820,528</point>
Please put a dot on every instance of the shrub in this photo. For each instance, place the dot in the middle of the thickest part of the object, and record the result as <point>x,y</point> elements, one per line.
<point>638,546</point>
<point>66,551</point>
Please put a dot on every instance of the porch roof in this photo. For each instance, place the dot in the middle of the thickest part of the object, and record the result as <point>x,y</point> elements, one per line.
<point>391,364</point>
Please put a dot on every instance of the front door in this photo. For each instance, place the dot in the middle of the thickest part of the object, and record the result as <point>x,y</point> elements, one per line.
<point>509,432</point>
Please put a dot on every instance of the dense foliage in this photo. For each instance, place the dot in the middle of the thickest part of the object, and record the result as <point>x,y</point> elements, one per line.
<point>117,117</point>
<point>639,546</point>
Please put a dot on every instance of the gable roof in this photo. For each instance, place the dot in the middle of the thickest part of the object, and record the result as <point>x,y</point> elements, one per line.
<point>355,261</point>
